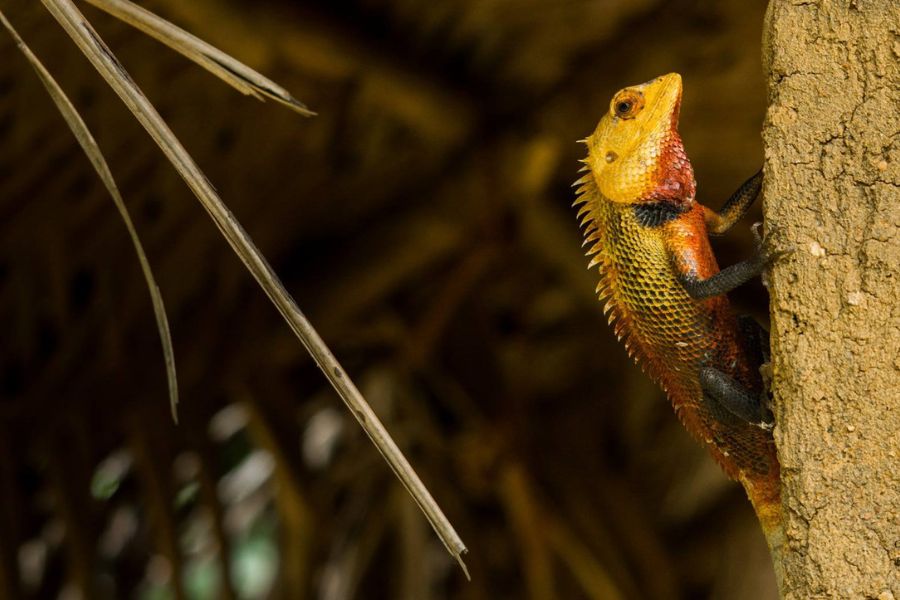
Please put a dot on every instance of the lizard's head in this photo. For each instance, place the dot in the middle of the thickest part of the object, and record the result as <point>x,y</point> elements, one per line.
<point>636,154</point>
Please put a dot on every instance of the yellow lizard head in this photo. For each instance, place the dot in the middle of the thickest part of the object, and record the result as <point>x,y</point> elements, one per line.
<point>635,154</point>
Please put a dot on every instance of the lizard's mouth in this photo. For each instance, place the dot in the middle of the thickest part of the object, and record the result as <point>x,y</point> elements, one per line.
<point>667,91</point>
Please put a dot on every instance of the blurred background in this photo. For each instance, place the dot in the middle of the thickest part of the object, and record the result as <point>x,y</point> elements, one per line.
<point>422,221</point>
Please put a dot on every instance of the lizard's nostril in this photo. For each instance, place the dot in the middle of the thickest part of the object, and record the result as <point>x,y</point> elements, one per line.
<point>611,156</point>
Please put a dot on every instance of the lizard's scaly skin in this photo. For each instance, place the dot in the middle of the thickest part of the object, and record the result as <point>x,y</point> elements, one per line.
<point>638,159</point>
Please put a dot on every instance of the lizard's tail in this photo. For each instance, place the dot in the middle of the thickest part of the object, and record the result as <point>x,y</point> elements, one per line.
<point>777,540</point>
<point>765,496</point>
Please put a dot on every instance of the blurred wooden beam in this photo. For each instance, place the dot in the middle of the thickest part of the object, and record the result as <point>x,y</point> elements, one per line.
<point>68,459</point>
<point>10,515</point>
<point>154,466</point>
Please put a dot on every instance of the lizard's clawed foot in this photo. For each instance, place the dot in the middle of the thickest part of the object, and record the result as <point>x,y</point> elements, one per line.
<point>763,244</point>
<point>766,255</point>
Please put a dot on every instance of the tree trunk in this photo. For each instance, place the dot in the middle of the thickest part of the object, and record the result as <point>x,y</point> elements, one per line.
<point>832,192</point>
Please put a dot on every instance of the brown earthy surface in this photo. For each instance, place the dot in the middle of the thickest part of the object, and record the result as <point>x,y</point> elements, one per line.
<point>423,221</point>
<point>832,190</point>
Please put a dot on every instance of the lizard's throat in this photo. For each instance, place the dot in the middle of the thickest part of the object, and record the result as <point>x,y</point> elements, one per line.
<point>674,175</point>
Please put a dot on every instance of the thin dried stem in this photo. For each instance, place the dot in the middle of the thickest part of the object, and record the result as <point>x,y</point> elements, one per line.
<point>152,468</point>
<point>92,150</point>
<point>595,579</point>
<point>115,75</point>
<point>231,71</point>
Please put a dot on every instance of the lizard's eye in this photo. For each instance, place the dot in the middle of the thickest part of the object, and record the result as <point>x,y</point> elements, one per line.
<point>627,104</point>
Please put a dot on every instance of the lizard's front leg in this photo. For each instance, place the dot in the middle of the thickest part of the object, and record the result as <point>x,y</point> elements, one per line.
<point>725,280</point>
<point>728,278</point>
<point>720,221</point>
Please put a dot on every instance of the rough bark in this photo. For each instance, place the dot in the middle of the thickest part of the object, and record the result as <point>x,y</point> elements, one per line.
<point>832,137</point>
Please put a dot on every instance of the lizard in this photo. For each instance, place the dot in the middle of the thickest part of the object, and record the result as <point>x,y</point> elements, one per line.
<point>664,291</point>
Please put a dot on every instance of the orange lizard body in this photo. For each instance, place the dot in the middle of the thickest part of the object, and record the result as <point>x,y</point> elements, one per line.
<point>649,237</point>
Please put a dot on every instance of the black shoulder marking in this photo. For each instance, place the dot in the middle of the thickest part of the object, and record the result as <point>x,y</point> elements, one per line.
<point>656,214</point>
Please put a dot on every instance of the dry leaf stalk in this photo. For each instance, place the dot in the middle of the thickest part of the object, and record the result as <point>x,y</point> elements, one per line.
<point>109,67</point>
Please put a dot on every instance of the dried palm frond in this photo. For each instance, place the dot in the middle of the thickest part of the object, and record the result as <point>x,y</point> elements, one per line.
<point>225,67</point>
<point>246,80</point>
<point>92,150</point>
